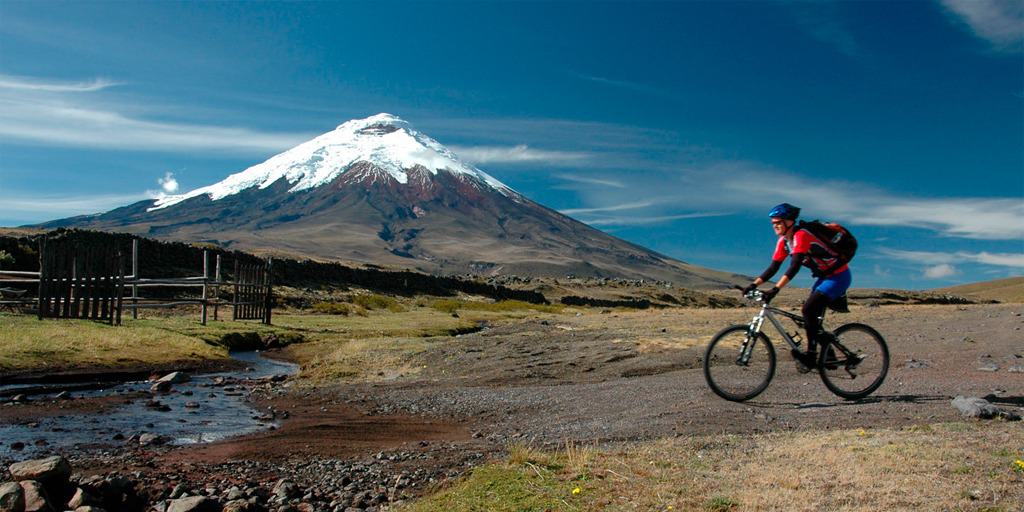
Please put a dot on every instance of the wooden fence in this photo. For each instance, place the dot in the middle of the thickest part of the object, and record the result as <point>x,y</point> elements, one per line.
<point>78,280</point>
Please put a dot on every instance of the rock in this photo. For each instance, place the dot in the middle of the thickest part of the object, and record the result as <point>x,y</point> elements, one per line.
<point>12,498</point>
<point>19,398</point>
<point>160,387</point>
<point>90,508</point>
<point>178,491</point>
<point>63,395</point>
<point>191,405</point>
<point>286,489</point>
<point>194,504</point>
<point>989,367</point>
<point>50,469</point>
<point>1017,368</point>
<point>81,498</point>
<point>17,446</point>
<point>35,496</point>
<point>974,407</point>
<point>238,506</point>
<point>148,438</point>
<point>174,378</point>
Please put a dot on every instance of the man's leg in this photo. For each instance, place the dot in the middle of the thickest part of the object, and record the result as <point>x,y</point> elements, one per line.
<point>813,308</point>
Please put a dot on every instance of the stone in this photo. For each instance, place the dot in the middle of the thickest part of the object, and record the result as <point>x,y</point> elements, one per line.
<point>974,407</point>
<point>90,508</point>
<point>174,378</point>
<point>286,489</point>
<point>194,504</point>
<point>238,506</point>
<point>35,496</point>
<point>160,387</point>
<point>12,498</point>
<point>148,438</point>
<point>81,498</point>
<point>50,469</point>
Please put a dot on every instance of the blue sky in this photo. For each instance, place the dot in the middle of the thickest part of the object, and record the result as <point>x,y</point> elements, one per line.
<point>675,125</point>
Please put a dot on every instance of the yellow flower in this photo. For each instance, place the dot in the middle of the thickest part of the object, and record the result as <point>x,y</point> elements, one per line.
<point>577,490</point>
<point>862,433</point>
<point>1020,465</point>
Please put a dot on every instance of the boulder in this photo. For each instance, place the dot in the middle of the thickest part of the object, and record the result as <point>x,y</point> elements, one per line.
<point>147,439</point>
<point>239,506</point>
<point>35,496</point>
<point>174,378</point>
<point>194,504</point>
<point>285,489</point>
<point>974,407</point>
<point>12,498</point>
<point>50,469</point>
<point>89,508</point>
<point>81,498</point>
<point>160,387</point>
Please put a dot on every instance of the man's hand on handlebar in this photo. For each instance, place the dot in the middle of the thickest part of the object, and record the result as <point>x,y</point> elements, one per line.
<point>747,289</point>
<point>769,294</point>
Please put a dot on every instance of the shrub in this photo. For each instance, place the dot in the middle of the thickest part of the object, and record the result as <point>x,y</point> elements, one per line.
<point>374,301</point>
<point>332,308</point>
<point>6,259</point>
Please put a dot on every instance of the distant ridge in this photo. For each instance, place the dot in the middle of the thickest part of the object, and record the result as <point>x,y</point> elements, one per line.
<point>1010,289</point>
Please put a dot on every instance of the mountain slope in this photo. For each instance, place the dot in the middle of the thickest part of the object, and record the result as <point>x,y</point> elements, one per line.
<point>377,191</point>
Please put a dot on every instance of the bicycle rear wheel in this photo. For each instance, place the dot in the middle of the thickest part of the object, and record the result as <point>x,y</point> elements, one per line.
<point>736,376</point>
<point>857,362</point>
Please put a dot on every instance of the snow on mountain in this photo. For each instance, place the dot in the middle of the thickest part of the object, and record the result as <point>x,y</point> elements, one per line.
<point>384,140</point>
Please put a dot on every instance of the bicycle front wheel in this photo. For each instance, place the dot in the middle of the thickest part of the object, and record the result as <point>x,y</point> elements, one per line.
<point>856,363</point>
<point>736,369</point>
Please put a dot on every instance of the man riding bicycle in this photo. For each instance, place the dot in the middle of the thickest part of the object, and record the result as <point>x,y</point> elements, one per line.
<point>804,249</point>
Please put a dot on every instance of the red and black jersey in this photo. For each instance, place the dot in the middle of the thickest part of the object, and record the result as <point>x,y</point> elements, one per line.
<point>819,257</point>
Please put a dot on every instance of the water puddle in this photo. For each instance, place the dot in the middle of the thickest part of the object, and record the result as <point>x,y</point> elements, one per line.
<point>209,408</point>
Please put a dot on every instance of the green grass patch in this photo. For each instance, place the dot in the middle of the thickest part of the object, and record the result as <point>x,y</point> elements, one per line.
<point>508,488</point>
<point>27,343</point>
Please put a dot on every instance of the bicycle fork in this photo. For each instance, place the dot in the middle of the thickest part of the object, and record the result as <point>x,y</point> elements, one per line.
<point>748,343</point>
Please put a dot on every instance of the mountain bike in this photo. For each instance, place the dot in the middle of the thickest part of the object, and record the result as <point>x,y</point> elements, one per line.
<point>740,360</point>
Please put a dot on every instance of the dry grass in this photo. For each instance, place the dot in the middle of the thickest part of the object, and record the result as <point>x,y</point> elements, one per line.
<point>960,466</point>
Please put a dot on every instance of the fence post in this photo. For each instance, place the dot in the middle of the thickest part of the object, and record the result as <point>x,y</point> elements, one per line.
<point>234,297</point>
<point>42,277</point>
<point>216,288</point>
<point>206,277</point>
<point>135,277</point>
<point>269,292</point>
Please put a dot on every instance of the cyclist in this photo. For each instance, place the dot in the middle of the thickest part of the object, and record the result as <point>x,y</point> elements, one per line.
<point>804,249</point>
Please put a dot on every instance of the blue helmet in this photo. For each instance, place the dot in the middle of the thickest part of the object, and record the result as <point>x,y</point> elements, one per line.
<point>785,211</point>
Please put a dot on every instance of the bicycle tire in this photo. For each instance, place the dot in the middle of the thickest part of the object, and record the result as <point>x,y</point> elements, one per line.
<point>760,382</point>
<point>832,372</point>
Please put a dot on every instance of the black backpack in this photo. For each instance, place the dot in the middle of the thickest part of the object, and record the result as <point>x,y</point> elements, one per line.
<point>838,239</point>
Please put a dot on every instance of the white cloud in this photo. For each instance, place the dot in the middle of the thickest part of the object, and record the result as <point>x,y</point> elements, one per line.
<point>823,21</point>
<point>48,113</point>
<point>1014,260</point>
<point>55,206</point>
<point>168,183</point>
<point>641,220</point>
<point>32,84</point>
<point>1000,22</point>
<point>983,218</point>
<point>515,154</point>
<point>940,271</point>
<point>612,208</point>
<point>592,181</point>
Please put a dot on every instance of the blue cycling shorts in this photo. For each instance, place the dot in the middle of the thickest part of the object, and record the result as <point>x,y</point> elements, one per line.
<point>834,286</point>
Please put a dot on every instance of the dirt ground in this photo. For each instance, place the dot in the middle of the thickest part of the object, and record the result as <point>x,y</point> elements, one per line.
<point>613,376</point>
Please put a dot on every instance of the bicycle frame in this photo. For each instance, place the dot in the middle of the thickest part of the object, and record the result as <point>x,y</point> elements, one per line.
<point>757,322</point>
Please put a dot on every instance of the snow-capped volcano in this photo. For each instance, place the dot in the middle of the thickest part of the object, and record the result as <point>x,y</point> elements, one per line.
<point>385,141</point>
<point>376,191</point>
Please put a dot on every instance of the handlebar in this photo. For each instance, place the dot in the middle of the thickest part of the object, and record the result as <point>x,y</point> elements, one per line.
<point>754,294</point>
